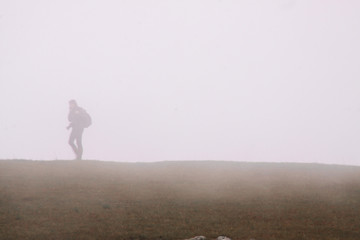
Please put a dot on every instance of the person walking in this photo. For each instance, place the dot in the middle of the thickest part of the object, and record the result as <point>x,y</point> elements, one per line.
<point>79,119</point>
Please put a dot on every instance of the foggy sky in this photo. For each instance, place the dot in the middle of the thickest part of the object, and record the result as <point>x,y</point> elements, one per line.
<point>270,81</point>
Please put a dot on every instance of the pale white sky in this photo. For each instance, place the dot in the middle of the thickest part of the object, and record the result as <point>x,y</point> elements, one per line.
<point>182,80</point>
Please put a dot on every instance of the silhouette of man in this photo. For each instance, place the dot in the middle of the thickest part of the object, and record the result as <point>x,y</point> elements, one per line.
<point>77,128</point>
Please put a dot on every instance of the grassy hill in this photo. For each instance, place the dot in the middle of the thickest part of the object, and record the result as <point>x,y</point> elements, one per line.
<point>178,200</point>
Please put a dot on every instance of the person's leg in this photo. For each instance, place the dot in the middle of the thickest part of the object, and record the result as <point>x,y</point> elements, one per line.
<point>79,144</point>
<point>72,140</point>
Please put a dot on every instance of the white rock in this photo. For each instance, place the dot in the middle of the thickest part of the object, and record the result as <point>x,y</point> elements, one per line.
<point>197,238</point>
<point>223,238</point>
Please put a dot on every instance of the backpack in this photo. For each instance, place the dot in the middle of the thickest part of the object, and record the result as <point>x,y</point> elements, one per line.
<point>86,119</point>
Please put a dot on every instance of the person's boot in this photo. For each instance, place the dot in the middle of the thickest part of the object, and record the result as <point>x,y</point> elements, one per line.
<point>79,156</point>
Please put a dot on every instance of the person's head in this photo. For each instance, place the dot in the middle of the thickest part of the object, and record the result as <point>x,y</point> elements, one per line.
<point>72,104</point>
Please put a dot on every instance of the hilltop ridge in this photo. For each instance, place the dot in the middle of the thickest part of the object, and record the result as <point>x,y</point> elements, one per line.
<point>177,200</point>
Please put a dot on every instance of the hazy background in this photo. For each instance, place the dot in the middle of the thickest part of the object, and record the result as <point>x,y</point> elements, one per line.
<point>182,80</point>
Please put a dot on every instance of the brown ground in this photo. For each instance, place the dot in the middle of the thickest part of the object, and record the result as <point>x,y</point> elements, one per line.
<point>177,200</point>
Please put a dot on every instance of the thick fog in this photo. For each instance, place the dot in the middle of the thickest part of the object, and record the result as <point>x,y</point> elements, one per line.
<point>270,81</point>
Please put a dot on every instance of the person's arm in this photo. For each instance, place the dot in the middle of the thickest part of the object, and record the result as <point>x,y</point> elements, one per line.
<point>69,126</point>
<point>71,119</point>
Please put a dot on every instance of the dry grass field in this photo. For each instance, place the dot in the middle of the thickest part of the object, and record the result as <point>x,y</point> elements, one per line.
<point>177,200</point>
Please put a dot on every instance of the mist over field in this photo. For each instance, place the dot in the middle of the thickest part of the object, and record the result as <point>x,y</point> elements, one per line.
<point>209,117</point>
<point>178,200</point>
<point>256,81</point>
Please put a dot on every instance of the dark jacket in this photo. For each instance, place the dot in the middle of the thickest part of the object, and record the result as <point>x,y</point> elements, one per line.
<point>75,117</point>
